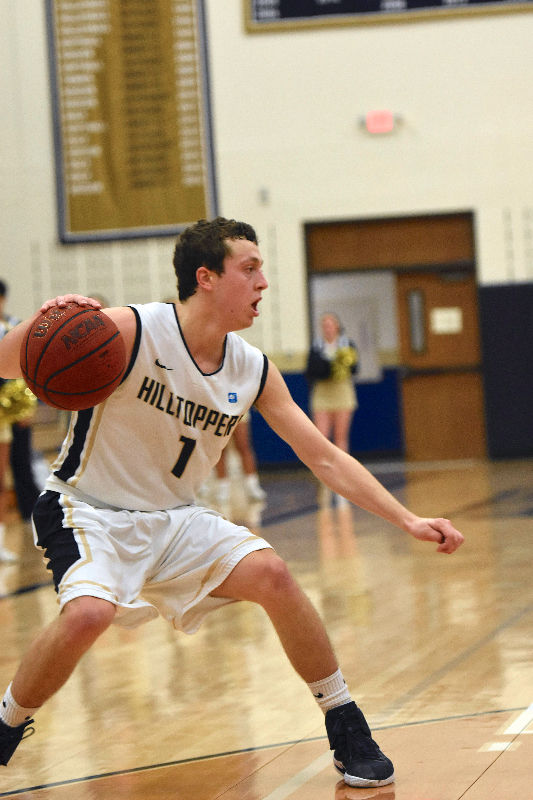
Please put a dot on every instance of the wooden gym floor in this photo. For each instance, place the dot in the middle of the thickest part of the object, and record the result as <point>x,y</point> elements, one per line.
<point>436,649</point>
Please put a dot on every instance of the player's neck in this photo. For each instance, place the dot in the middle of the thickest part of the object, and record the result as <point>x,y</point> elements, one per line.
<point>203,335</point>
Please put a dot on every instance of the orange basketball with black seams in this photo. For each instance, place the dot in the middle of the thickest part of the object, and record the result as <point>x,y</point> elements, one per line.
<point>73,357</point>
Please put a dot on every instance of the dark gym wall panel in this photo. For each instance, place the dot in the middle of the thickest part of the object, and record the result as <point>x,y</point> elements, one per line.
<point>506,318</point>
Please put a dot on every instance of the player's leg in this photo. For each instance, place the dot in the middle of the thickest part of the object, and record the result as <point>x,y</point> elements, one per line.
<point>324,422</point>
<point>342,420</point>
<point>77,540</point>
<point>22,468</point>
<point>54,653</point>
<point>243,445</point>
<point>5,440</point>
<point>223,482</point>
<point>262,577</point>
<point>48,663</point>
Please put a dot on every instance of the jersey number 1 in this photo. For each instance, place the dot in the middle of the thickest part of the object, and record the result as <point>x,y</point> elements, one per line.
<point>186,453</point>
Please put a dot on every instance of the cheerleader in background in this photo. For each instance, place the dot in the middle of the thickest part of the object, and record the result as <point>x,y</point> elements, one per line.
<point>17,405</point>
<point>6,555</point>
<point>331,365</point>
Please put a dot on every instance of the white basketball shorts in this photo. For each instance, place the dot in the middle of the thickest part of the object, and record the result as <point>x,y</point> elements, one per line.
<point>144,562</point>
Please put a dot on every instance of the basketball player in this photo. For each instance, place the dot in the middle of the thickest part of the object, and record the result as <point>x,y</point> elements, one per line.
<point>123,536</point>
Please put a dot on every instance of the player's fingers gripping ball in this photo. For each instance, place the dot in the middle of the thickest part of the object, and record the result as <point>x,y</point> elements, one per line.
<point>73,357</point>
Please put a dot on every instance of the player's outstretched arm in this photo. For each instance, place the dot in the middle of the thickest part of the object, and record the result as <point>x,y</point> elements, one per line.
<point>342,473</point>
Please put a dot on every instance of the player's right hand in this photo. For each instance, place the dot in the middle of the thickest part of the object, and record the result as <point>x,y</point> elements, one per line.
<point>64,299</point>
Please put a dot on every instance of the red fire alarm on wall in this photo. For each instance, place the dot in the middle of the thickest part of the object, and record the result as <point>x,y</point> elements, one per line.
<point>380,121</point>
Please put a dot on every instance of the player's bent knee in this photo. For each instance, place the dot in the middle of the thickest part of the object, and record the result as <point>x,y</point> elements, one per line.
<point>272,578</point>
<point>86,618</point>
<point>259,577</point>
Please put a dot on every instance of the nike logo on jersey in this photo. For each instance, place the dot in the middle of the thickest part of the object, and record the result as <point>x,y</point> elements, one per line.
<point>159,364</point>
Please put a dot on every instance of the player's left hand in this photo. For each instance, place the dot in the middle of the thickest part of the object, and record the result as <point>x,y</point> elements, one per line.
<point>437,530</point>
<point>63,300</point>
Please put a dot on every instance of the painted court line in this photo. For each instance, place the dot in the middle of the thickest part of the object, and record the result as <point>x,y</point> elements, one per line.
<point>322,762</point>
<point>516,727</point>
<point>520,724</point>
<point>301,778</point>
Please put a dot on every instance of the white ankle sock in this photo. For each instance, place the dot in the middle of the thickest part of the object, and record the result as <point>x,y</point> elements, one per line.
<point>13,714</point>
<point>330,692</point>
<point>223,490</point>
<point>252,480</point>
<point>253,488</point>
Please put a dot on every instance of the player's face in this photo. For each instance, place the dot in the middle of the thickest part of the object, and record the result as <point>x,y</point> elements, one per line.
<point>241,285</point>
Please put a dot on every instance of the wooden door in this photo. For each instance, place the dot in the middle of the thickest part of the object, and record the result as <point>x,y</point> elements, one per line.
<point>442,390</point>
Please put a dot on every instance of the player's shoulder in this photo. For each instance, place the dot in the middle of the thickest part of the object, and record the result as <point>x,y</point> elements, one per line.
<point>123,316</point>
<point>243,354</point>
<point>153,314</point>
<point>236,341</point>
<point>154,308</point>
<point>126,321</point>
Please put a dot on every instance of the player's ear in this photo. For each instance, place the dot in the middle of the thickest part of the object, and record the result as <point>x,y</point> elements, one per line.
<point>204,277</point>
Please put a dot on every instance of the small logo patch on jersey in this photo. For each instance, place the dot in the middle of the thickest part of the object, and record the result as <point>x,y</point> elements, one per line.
<point>159,364</point>
<point>232,397</point>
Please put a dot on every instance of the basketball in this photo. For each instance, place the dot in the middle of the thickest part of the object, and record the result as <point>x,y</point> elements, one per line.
<point>73,357</point>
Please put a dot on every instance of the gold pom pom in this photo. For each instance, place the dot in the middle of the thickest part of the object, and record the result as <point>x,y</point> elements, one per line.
<point>17,402</point>
<point>341,367</point>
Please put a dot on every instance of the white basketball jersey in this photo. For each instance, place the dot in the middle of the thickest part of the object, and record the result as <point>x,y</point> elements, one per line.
<point>154,441</point>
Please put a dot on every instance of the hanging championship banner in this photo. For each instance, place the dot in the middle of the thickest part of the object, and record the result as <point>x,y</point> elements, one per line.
<point>132,129</point>
<point>264,15</point>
